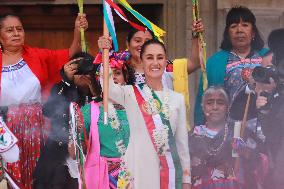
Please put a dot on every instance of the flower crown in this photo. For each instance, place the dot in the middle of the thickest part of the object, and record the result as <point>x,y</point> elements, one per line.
<point>116,60</point>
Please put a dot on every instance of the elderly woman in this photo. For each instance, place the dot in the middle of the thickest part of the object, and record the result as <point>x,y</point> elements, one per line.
<point>157,155</point>
<point>241,51</point>
<point>211,148</point>
<point>26,76</point>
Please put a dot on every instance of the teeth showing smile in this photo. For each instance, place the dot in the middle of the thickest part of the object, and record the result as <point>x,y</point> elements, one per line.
<point>155,69</point>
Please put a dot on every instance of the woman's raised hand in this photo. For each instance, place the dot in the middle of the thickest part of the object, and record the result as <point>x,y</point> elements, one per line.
<point>197,27</point>
<point>104,42</point>
<point>70,69</point>
<point>81,22</point>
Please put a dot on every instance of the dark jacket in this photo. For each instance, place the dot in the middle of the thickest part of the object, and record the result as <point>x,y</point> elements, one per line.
<point>273,129</point>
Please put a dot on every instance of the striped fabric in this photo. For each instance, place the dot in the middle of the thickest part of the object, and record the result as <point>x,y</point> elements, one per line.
<point>170,172</point>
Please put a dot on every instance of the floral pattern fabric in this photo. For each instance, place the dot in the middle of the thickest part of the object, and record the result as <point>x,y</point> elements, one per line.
<point>26,122</point>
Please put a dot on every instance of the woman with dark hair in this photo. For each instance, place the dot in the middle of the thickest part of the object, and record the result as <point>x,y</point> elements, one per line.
<point>27,74</point>
<point>157,155</point>
<point>241,51</point>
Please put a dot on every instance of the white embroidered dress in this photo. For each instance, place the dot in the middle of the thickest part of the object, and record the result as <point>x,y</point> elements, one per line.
<point>141,157</point>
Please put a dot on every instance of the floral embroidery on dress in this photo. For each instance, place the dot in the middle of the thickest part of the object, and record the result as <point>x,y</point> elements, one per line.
<point>14,67</point>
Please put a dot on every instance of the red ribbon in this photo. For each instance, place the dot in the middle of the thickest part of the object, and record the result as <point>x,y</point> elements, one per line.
<point>118,9</point>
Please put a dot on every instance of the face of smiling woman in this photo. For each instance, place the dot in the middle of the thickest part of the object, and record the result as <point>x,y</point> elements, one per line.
<point>154,61</point>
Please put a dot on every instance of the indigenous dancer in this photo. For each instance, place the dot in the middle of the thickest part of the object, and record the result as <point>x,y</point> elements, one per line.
<point>104,167</point>
<point>26,73</point>
<point>211,149</point>
<point>56,168</point>
<point>157,155</point>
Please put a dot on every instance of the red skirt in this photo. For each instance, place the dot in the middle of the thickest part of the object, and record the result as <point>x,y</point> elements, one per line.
<point>27,123</point>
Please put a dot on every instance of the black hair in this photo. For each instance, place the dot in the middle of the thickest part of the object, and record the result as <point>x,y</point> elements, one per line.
<point>235,15</point>
<point>133,31</point>
<point>276,45</point>
<point>150,42</point>
<point>128,74</point>
<point>88,68</point>
<point>4,16</point>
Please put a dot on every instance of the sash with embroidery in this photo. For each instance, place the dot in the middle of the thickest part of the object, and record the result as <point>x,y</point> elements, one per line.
<point>170,166</point>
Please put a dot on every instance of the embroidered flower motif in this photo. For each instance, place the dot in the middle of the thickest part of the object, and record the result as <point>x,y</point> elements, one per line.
<point>125,180</point>
<point>121,183</point>
<point>112,115</point>
<point>120,147</point>
<point>161,132</point>
<point>161,137</point>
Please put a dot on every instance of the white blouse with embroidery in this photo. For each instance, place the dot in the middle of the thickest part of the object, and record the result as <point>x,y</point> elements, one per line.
<point>19,85</point>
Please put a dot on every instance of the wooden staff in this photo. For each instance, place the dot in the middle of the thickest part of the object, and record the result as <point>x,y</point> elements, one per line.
<point>243,127</point>
<point>82,32</point>
<point>202,44</point>
<point>106,75</point>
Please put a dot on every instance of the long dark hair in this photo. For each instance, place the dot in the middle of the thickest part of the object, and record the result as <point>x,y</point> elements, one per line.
<point>235,15</point>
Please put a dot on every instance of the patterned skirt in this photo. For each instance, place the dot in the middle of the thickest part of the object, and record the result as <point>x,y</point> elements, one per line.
<point>113,171</point>
<point>27,123</point>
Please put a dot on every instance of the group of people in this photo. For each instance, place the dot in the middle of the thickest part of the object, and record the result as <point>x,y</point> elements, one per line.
<point>53,129</point>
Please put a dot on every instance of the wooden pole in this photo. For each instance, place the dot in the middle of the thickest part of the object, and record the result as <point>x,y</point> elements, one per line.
<point>82,32</point>
<point>243,127</point>
<point>106,76</point>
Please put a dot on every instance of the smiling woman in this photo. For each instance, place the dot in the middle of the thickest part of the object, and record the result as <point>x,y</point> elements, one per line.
<point>153,56</point>
<point>158,112</point>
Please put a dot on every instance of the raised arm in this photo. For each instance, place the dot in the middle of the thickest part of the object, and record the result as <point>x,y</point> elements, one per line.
<point>194,61</point>
<point>80,22</point>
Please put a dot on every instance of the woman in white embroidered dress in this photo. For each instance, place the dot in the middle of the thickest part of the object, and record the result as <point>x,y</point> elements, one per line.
<point>26,74</point>
<point>157,155</point>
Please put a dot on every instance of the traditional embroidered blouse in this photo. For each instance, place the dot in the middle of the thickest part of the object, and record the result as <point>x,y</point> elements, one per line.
<point>19,85</point>
<point>108,135</point>
<point>238,71</point>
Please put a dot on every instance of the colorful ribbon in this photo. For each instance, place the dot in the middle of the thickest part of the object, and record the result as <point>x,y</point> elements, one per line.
<point>110,24</point>
<point>158,32</point>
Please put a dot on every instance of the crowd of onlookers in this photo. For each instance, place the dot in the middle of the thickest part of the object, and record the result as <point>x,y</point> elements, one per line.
<point>55,132</point>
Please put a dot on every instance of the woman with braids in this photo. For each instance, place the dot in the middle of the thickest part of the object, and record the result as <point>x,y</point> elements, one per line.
<point>27,73</point>
<point>211,148</point>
